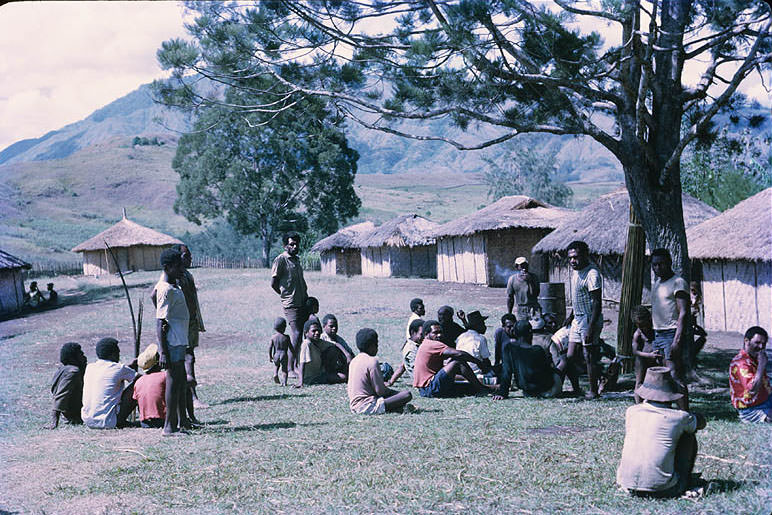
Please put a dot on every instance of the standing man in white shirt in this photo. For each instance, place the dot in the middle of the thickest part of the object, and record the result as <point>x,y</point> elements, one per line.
<point>106,404</point>
<point>670,307</point>
<point>172,331</point>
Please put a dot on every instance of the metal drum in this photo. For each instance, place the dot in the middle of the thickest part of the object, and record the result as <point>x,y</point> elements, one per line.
<point>552,299</point>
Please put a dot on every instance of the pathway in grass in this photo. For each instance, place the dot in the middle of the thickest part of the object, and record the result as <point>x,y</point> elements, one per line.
<point>271,448</point>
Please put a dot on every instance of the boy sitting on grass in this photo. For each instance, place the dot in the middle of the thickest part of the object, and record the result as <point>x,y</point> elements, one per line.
<point>366,392</point>
<point>409,350</point>
<point>150,389</point>
<point>312,369</point>
<point>67,386</point>
<point>644,354</point>
<point>277,352</point>
<point>418,310</point>
<point>330,334</point>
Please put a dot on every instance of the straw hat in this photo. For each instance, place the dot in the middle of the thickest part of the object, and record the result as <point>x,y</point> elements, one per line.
<point>659,386</point>
<point>148,358</point>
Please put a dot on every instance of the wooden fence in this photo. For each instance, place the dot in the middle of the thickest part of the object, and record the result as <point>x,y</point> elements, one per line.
<point>308,261</point>
<point>53,268</point>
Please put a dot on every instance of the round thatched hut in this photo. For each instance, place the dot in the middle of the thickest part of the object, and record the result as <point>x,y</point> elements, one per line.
<point>339,252</point>
<point>603,226</point>
<point>480,247</point>
<point>11,283</point>
<point>735,250</point>
<point>402,247</point>
<point>136,247</point>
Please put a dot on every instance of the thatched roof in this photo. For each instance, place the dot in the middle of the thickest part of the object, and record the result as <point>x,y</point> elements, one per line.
<point>743,232</point>
<point>517,211</point>
<point>9,262</point>
<point>344,238</point>
<point>404,231</point>
<point>603,224</point>
<point>126,234</point>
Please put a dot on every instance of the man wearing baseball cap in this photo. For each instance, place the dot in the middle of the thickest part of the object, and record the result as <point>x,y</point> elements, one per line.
<point>522,290</point>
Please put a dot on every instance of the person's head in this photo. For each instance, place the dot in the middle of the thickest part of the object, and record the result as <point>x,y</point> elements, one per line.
<point>171,262</point>
<point>659,386</point>
<point>432,330</point>
<point>578,254</point>
<point>417,307</point>
<point>694,288</point>
<point>416,330</point>
<point>444,315</point>
<point>72,354</point>
<point>524,332</point>
<point>755,341</point>
<point>367,341</point>
<point>279,325</point>
<point>187,257</point>
<point>330,324</point>
<point>33,286</point>
<point>661,263</point>
<point>476,321</point>
<point>508,322</point>
<point>148,359</point>
<point>291,243</point>
<point>50,286</point>
<point>312,329</point>
<point>521,263</point>
<point>642,318</point>
<point>312,305</point>
<point>108,350</point>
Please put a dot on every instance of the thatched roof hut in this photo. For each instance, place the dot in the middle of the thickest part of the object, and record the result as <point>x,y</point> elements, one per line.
<point>11,283</point>
<point>339,252</point>
<point>480,247</point>
<point>735,251</point>
<point>137,248</point>
<point>403,246</point>
<point>603,226</point>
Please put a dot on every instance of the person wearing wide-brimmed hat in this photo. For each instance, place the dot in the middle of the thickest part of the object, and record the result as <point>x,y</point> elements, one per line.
<point>150,389</point>
<point>473,342</point>
<point>660,444</point>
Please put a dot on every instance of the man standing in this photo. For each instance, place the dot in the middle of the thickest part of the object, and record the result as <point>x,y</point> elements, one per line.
<point>586,319</point>
<point>522,290</point>
<point>287,280</point>
<point>195,326</point>
<point>669,316</point>
<point>748,381</point>
<point>660,443</point>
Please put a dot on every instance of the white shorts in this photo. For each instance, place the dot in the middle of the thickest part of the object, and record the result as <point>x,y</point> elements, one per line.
<point>580,327</point>
<point>376,407</point>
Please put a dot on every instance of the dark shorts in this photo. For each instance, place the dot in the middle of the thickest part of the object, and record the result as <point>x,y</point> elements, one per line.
<point>663,340</point>
<point>177,353</point>
<point>442,385</point>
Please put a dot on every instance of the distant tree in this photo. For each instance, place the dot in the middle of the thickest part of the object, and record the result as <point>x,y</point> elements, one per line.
<point>523,170</point>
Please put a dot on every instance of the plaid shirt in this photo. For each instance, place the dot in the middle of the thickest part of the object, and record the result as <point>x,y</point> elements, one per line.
<point>584,281</point>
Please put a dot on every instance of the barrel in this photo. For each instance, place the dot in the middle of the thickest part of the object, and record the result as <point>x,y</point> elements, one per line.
<point>552,299</point>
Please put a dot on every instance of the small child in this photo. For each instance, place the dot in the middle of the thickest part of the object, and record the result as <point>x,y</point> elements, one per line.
<point>418,310</point>
<point>67,385</point>
<point>312,308</point>
<point>277,352</point>
<point>409,350</point>
<point>643,352</point>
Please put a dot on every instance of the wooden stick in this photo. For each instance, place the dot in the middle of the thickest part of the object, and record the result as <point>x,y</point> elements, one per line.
<point>128,299</point>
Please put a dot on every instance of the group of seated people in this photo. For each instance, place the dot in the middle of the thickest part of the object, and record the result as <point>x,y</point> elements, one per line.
<point>34,298</point>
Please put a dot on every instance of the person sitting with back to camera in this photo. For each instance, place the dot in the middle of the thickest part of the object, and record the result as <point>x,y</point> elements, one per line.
<point>67,386</point>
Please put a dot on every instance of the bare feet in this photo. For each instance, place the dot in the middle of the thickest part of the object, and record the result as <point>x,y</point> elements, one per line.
<point>591,395</point>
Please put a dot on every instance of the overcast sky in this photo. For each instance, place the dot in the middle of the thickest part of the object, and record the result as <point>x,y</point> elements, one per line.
<point>63,60</point>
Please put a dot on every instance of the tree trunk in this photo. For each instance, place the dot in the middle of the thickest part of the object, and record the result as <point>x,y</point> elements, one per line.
<point>267,235</point>
<point>633,270</point>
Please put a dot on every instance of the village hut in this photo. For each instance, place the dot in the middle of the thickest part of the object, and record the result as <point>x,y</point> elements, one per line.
<point>401,247</point>
<point>481,247</point>
<point>735,251</point>
<point>11,283</point>
<point>136,248</point>
<point>339,252</point>
<point>603,226</point>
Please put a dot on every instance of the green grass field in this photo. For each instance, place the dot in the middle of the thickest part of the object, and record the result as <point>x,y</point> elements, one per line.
<point>271,449</point>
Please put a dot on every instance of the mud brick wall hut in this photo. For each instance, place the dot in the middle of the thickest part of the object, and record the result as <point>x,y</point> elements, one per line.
<point>603,226</point>
<point>735,251</point>
<point>402,247</point>
<point>136,247</point>
<point>11,283</point>
<point>481,247</point>
<point>339,252</point>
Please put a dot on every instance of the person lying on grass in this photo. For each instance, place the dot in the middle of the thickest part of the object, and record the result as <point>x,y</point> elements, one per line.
<point>106,404</point>
<point>367,394</point>
<point>748,382</point>
<point>409,350</point>
<point>67,386</point>
<point>312,368</point>
<point>432,377</point>
<point>528,365</point>
<point>277,352</point>
<point>644,353</point>
<point>150,389</point>
<point>418,310</point>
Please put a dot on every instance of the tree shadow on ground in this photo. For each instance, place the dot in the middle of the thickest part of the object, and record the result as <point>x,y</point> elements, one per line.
<point>719,486</point>
<point>261,427</point>
<point>257,398</point>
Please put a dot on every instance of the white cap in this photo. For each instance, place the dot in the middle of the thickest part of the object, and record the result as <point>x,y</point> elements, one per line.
<point>520,260</point>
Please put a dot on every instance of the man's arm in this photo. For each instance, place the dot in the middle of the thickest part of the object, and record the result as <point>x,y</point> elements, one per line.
<point>510,302</point>
<point>343,349</point>
<point>397,374</point>
<point>161,330</point>
<point>682,303</point>
<point>377,379</point>
<point>596,299</point>
<point>450,352</point>
<point>758,378</point>
<point>275,284</point>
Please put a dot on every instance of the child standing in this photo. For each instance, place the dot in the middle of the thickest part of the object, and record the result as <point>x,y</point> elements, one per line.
<point>644,353</point>
<point>277,352</point>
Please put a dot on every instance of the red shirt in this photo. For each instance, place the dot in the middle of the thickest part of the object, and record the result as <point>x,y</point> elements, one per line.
<point>742,370</point>
<point>149,391</point>
<point>428,361</point>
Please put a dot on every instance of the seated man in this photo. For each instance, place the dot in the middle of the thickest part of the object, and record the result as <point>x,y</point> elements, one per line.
<point>503,335</point>
<point>748,381</point>
<point>367,394</point>
<point>150,389</point>
<point>312,367</point>
<point>106,404</point>
<point>34,296</point>
<point>344,354</point>
<point>53,297</point>
<point>409,350</point>
<point>431,376</point>
<point>473,342</point>
<point>660,444</point>
<point>529,366</point>
<point>67,386</point>
<point>418,310</point>
<point>450,329</point>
